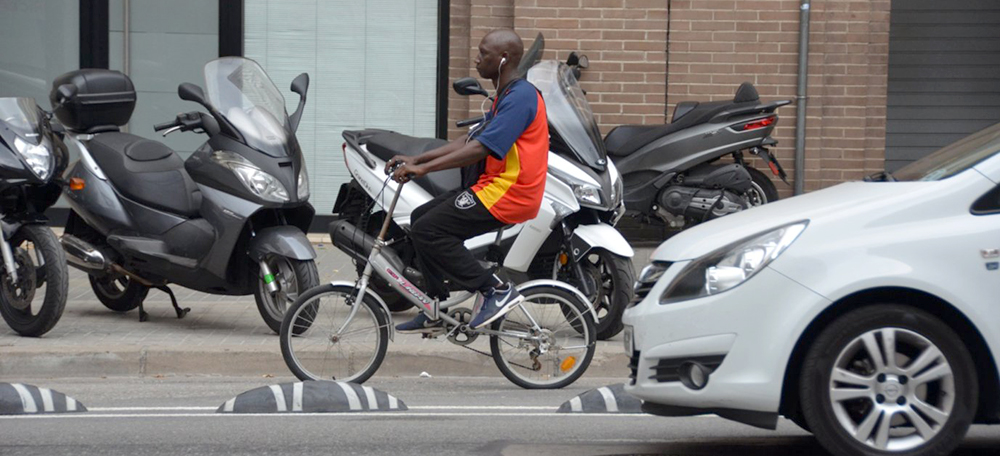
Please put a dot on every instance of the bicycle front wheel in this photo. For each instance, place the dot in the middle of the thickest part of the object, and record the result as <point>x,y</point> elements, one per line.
<point>317,346</point>
<point>547,342</point>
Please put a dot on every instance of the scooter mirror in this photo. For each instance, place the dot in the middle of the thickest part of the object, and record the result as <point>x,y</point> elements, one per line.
<point>584,62</point>
<point>469,86</point>
<point>190,92</point>
<point>573,59</point>
<point>300,84</point>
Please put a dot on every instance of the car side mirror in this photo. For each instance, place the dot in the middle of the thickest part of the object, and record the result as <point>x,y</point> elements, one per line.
<point>469,86</point>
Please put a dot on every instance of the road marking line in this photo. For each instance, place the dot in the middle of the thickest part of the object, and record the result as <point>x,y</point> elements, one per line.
<point>575,404</point>
<point>353,401</point>
<point>297,397</point>
<point>610,404</point>
<point>27,402</point>
<point>304,415</point>
<point>46,399</point>
<point>152,409</point>
<point>480,407</point>
<point>279,398</point>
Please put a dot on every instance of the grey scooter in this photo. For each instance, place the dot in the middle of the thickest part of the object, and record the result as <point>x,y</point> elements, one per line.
<point>672,172</point>
<point>230,220</point>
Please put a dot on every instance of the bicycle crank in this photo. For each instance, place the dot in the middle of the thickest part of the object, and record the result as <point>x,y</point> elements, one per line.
<point>461,335</point>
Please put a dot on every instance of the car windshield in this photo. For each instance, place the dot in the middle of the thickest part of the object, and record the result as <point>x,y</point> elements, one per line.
<point>241,91</point>
<point>568,111</point>
<point>20,115</point>
<point>954,158</point>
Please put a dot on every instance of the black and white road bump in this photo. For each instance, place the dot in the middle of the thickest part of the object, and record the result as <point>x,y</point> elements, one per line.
<point>606,399</point>
<point>313,397</point>
<point>21,399</point>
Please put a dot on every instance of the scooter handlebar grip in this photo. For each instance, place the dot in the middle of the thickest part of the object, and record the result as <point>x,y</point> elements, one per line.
<point>165,125</point>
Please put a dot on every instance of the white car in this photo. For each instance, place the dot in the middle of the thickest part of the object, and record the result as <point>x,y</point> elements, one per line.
<point>867,313</point>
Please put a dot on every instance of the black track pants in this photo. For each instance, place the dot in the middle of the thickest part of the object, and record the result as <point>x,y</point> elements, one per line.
<point>439,229</point>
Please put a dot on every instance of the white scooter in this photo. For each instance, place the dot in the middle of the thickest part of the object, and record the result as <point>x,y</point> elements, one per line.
<point>572,239</point>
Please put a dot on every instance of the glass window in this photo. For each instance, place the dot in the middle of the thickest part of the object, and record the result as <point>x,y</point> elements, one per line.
<point>38,41</point>
<point>371,63</point>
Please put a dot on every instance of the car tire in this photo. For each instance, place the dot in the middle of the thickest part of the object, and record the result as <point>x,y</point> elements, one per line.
<point>920,401</point>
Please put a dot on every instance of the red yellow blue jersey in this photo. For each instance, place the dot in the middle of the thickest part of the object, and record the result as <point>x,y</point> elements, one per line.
<point>516,132</point>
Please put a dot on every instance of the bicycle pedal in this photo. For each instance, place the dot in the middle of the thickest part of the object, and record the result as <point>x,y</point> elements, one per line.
<point>432,333</point>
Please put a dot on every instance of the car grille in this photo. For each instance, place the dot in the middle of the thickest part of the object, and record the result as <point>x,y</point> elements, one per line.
<point>641,288</point>
<point>669,369</point>
<point>633,366</point>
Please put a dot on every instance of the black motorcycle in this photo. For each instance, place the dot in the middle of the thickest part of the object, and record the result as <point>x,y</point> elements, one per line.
<point>230,220</point>
<point>34,282</point>
<point>673,172</point>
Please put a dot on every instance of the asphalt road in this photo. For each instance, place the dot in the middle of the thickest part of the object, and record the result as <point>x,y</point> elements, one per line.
<point>448,415</point>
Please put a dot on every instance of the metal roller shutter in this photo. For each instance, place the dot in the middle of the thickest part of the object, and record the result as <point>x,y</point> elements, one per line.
<point>944,75</point>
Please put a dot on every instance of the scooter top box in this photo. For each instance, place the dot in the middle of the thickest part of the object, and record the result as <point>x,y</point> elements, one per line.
<point>98,100</point>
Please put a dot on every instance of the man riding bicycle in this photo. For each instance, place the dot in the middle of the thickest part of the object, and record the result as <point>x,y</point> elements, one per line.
<point>505,160</point>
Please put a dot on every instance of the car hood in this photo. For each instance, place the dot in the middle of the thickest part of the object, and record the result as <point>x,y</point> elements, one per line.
<point>844,200</point>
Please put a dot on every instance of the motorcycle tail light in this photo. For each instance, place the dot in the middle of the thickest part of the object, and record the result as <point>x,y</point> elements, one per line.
<point>757,124</point>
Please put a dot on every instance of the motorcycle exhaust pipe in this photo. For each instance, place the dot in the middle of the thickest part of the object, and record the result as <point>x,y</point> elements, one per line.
<point>82,255</point>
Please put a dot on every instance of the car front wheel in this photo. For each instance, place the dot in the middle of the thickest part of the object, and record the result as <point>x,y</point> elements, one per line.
<point>888,379</point>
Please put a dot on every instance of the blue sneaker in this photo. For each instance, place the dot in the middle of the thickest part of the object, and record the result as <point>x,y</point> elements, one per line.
<point>420,324</point>
<point>496,305</point>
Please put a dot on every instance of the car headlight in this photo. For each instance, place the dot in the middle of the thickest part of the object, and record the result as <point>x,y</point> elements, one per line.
<point>730,266</point>
<point>39,158</point>
<point>303,184</point>
<point>587,194</point>
<point>260,183</point>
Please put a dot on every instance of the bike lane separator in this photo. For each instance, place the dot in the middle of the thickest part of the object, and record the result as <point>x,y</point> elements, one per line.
<point>23,399</point>
<point>313,397</point>
<point>606,399</point>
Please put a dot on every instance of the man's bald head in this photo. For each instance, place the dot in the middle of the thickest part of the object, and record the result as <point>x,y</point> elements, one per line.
<point>500,53</point>
<point>506,41</point>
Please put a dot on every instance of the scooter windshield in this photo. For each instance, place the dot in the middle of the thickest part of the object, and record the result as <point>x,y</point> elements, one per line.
<point>20,116</point>
<point>243,93</point>
<point>568,111</point>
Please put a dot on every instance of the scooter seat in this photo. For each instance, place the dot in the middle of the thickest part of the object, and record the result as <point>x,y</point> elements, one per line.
<point>146,172</point>
<point>389,144</point>
<point>624,140</point>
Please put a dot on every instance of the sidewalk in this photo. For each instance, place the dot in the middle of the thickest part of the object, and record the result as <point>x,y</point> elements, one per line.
<point>224,335</point>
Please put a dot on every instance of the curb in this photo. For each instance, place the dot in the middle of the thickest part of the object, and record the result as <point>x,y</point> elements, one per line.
<point>239,361</point>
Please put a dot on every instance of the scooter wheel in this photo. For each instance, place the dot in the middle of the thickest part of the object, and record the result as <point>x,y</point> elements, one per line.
<point>294,277</point>
<point>40,262</point>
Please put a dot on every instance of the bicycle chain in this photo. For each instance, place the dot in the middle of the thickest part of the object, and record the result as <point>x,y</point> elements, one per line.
<point>490,356</point>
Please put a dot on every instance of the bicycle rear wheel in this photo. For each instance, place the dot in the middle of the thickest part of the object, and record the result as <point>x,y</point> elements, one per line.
<point>548,341</point>
<point>312,347</point>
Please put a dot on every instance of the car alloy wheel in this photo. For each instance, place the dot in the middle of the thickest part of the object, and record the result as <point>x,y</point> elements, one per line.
<point>892,389</point>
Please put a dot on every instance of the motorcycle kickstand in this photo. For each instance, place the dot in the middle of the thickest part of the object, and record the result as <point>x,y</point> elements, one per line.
<point>173,301</point>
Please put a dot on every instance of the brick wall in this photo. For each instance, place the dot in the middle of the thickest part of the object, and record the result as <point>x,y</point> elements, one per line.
<point>714,45</point>
<point>625,41</point>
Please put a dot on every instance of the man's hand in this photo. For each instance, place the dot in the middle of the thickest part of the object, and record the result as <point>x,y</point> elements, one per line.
<point>407,171</point>
<point>401,159</point>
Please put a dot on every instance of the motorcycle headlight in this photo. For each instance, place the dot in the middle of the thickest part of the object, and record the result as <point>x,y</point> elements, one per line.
<point>39,158</point>
<point>730,266</point>
<point>260,183</point>
<point>303,184</point>
<point>587,194</point>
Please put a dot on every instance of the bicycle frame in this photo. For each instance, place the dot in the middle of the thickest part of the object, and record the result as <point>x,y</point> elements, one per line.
<point>378,264</point>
